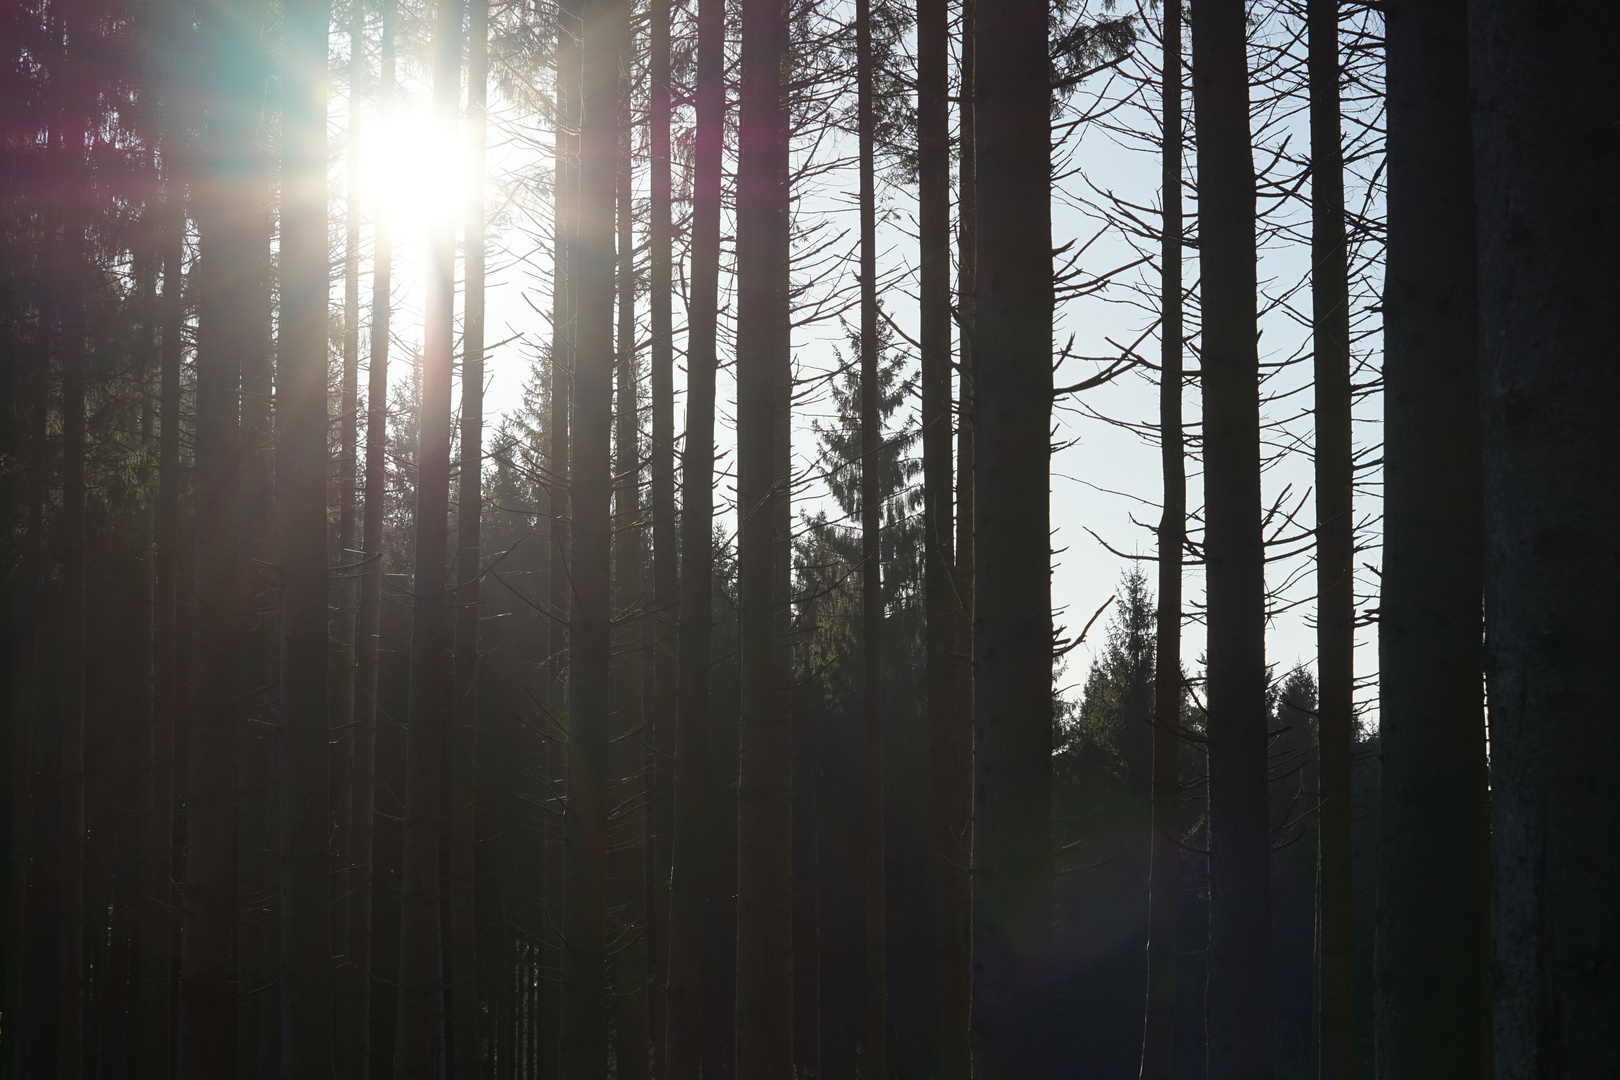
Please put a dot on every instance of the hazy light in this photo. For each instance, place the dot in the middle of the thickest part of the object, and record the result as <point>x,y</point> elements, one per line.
<point>413,167</point>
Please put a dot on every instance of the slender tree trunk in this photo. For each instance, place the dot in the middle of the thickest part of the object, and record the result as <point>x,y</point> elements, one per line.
<point>1335,556</point>
<point>157,928</point>
<point>1012,639</point>
<point>1239,958</point>
<point>691,885</point>
<point>1432,1004</point>
<point>628,867</point>
<point>874,1042</point>
<point>1545,158</point>
<point>665,604</point>
<point>584,1005</point>
<point>953,894</point>
<point>764,860</point>
<point>415,1047</point>
<point>469,514</point>
<point>306,928</point>
<point>1164,885</point>
<point>355,1058</point>
<point>943,607</point>
<point>71,349</point>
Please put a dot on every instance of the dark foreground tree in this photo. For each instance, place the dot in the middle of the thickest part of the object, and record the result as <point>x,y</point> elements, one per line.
<point>1012,631</point>
<point>1432,998</point>
<point>1545,156</point>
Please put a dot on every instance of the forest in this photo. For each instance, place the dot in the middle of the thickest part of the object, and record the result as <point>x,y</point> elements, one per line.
<point>809,539</point>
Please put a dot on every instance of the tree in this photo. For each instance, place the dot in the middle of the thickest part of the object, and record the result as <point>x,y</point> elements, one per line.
<point>1239,1006</point>
<point>1544,158</point>
<point>1432,997</point>
<point>1012,638</point>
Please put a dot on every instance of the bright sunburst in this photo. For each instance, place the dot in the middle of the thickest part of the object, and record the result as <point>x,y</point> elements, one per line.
<point>409,164</point>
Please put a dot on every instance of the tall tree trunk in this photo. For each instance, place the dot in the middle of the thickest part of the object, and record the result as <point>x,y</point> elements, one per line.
<point>355,1049</point>
<point>227,198</point>
<point>1432,1004</point>
<point>764,855</point>
<point>943,607</point>
<point>157,927</point>
<point>1164,885</point>
<point>469,514</point>
<point>874,1041</point>
<point>628,868</point>
<point>1335,556</point>
<point>1239,1011</point>
<point>584,1005</point>
<point>306,927</point>
<point>953,911</point>
<point>73,268</point>
<point>1012,639</point>
<point>415,1045</point>
<point>665,606</point>
<point>1545,158</point>
<point>691,887</point>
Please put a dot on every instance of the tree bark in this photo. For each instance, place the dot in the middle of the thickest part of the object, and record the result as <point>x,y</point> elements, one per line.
<point>415,1047</point>
<point>1239,1011</point>
<point>590,699</point>
<point>1164,885</point>
<point>1012,639</point>
<point>764,857</point>
<point>691,869</point>
<point>469,571</point>
<point>1432,1000</point>
<point>1335,555</point>
<point>306,928</point>
<point>1545,155</point>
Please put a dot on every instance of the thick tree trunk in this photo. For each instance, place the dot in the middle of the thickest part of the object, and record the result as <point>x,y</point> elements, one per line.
<point>1335,556</point>
<point>764,854</point>
<point>874,1040</point>
<point>665,605</point>
<point>1239,1011</point>
<point>416,1048</point>
<point>469,569</point>
<point>1012,639</point>
<point>306,928</point>
<point>628,830</point>
<point>228,328</point>
<point>691,870</point>
<point>1164,884</point>
<point>355,1048</point>
<point>1545,159</point>
<point>585,986</point>
<point>1432,1000</point>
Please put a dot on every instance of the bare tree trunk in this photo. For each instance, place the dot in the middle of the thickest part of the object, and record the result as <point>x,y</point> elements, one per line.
<point>665,606</point>
<point>764,860</point>
<point>692,869</point>
<point>355,1048</point>
<point>469,515</point>
<point>1239,1012</point>
<point>628,822</point>
<point>1545,158</point>
<point>1335,556</point>
<point>306,927</point>
<point>584,1004</point>
<point>953,896</point>
<point>1164,885</point>
<point>416,1046</point>
<point>1432,998</point>
<point>874,1042</point>
<point>1012,646</point>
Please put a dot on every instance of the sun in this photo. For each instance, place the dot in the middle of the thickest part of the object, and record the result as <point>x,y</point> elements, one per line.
<point>413,166</point>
